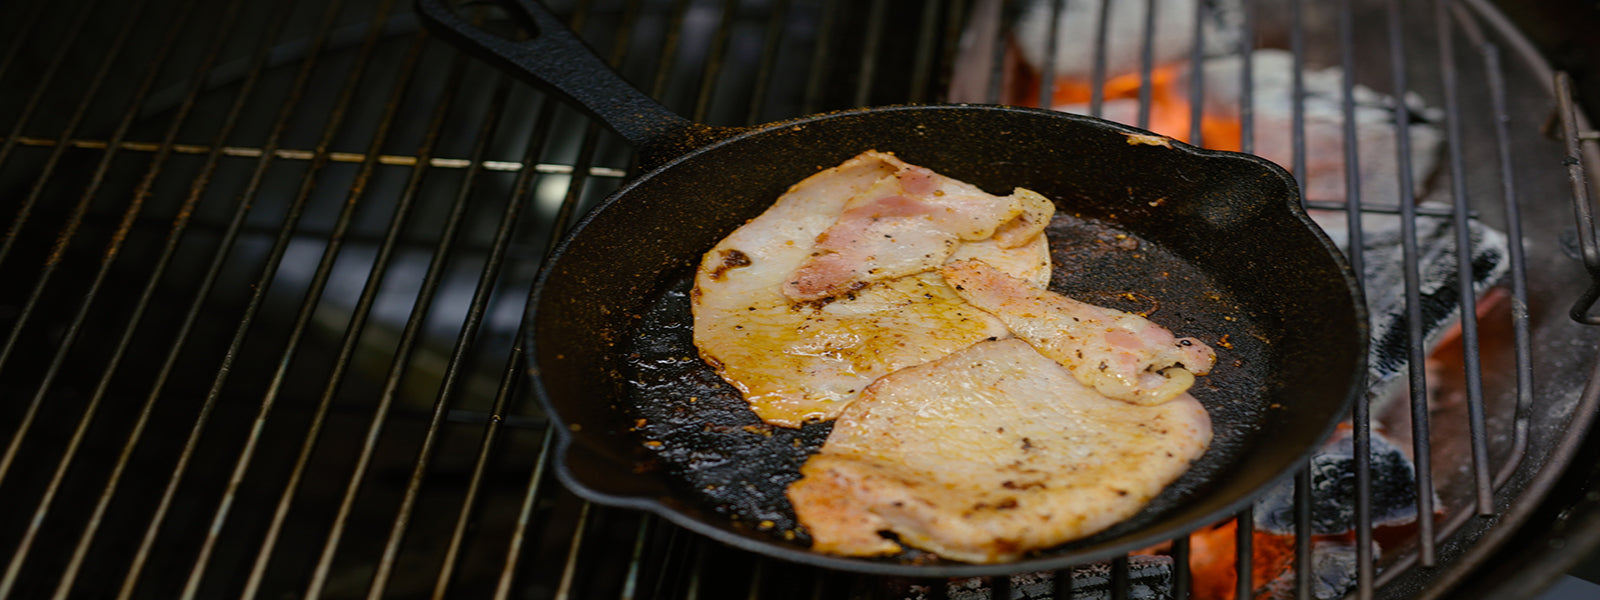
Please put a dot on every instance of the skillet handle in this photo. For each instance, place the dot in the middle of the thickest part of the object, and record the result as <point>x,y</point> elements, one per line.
<point>559,61</point>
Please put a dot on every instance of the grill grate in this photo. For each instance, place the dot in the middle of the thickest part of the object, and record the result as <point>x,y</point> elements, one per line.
<point>266,267</point>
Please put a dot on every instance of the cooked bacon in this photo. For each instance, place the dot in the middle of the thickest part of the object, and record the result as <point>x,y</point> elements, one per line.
<point>988,454</point>
<point>908,224</point>
<point>1122,355</point>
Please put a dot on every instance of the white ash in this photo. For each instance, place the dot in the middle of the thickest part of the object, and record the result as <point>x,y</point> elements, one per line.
<point>1389,357</point>
<point>1077,31</point>
<point>1272,83</point>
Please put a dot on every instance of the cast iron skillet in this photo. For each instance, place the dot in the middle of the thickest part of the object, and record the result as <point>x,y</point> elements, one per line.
<point>1210,244</point>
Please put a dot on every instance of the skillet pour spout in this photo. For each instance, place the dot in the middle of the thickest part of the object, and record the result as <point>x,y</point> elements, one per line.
<point>1225,249</point>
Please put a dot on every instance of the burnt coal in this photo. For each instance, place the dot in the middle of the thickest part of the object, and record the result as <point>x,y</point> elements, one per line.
<point>1149,578</point>
<point>1333,490</point>
<point>1333,573</point>
<point>1389,358</point>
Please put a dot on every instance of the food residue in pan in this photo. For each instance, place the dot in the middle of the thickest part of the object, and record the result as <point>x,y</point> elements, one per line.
<point>749,469</point>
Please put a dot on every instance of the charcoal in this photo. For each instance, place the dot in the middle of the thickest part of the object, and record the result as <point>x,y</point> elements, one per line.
<point>1333,490</point>
<point>1333,476</point>
<point>1389,357</point>
<point>1333,573</point>
<point>1149,578</point>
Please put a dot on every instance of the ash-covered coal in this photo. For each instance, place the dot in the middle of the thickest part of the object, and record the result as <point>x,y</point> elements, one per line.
<point>1149,578</point>
<point>1333,573</point>
<point>1333,489</point>
<point>1383,257</point>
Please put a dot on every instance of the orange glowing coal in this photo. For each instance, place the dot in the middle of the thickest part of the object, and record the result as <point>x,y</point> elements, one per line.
<point>1170,109</point>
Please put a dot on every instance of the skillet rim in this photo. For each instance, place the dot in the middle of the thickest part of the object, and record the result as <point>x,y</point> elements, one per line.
<point>751,540</point>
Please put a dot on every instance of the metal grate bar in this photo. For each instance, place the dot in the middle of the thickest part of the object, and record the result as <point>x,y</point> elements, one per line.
<point>512,373</point>
<point>1197,80</point>
<point>431,282</point>
<point>997,53</point>
<point>1097,82</point>
<point>203,417</point>
<point>145,300</point>
<point>1297,87</point>
<point>1182,577</point>
<point>469,332</point>
<point>1303,564</point>
<point>1581,204</point>
<point>30,22</point>
<point>769,57</point>
<point>530,497</point>
<point>955,21</point>
<point>872,45</point>
<point>820,56</point>
<point>1521,334</point>
<point>999,586</point>
<point>570,571</point>
<point>1303,561</point>
<point>669,48</point>
<point>67,231</point>
<point>922,62</point>
<point>1244,553</point>
<point>1147,64</point>
<point>398,160</point>
<point>1244,521</point>
<point>1418,374</point>
<point>1384,209</point>
<point>69,453</point>
<point>1247,102</point>
<point>1361,418</point>
<point>1047,70</point>
<point>1469,323</point>
<point>313,296</point>
<point>26,114</point>
<point>630,582</point>
<point>1119,578</point>
<point>715,61</point>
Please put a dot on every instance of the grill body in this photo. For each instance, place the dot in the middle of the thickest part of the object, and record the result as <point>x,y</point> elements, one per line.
<point>265,267</point>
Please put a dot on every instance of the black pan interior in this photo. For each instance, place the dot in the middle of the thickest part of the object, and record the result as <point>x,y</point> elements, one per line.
<point>1211,247</point>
